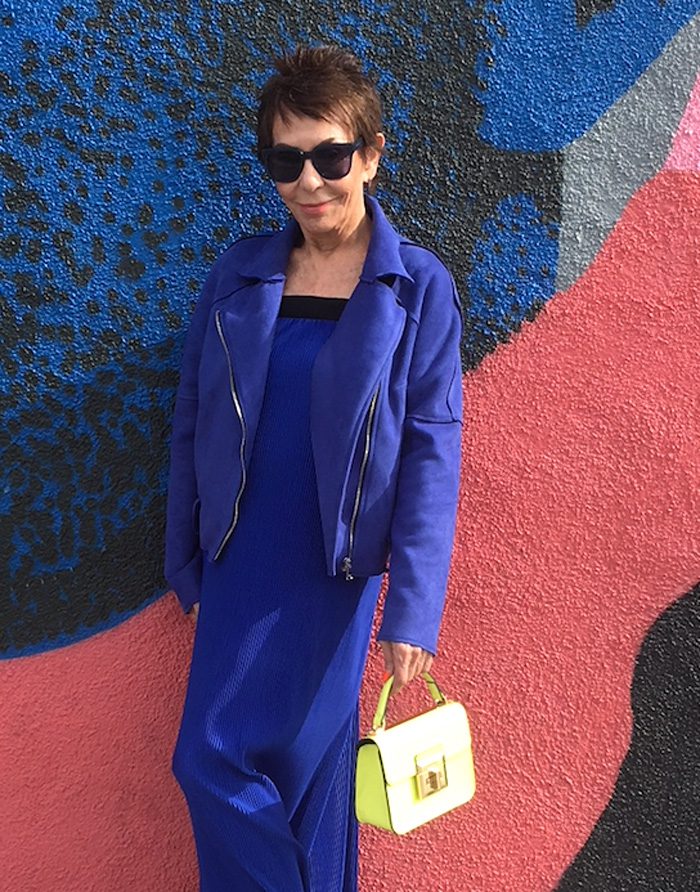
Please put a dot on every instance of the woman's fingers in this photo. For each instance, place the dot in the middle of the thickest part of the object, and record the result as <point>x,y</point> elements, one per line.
<point>388,655</point>
<point>404,662</point>
<point>416,661</point>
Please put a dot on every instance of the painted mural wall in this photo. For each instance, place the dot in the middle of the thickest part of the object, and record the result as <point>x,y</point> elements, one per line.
<point>551,153</point>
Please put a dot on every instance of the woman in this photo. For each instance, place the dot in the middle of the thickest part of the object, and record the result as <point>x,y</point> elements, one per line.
<point>316,438</point>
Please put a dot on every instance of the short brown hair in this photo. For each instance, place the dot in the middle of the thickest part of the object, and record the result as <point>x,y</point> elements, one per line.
<point>322,82</point>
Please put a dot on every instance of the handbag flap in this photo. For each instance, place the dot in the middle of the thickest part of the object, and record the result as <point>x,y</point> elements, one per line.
<point>441,732</point>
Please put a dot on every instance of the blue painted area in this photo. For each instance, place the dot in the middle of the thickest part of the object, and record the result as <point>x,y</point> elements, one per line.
<point>121,161</point>
<point>546,81</point>
<point>513,271</point>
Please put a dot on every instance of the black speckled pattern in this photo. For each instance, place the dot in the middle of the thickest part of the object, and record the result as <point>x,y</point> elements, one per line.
<point>126,167</point>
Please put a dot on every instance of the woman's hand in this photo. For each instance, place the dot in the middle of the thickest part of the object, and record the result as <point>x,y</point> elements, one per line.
<point>404,662</point>
<point>194,612</point>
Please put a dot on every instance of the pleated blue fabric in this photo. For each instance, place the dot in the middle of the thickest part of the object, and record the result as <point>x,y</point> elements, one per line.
<point>266,747</point>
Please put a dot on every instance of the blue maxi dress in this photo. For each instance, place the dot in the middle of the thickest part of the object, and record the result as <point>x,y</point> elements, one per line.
<point>266,747</point>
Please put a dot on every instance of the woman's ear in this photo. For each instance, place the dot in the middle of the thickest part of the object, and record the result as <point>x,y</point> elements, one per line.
<point>373,156</point>
<point>377,150</point>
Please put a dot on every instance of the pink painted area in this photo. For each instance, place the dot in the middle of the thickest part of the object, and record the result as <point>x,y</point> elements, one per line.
<point>685,151</point>
<point>577,528</point>
<point>85,762</point>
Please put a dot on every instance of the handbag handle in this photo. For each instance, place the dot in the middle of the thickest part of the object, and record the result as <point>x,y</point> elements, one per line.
<point>380,715</point>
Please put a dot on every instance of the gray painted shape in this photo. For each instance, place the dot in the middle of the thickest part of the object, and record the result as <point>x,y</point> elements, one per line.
<point>628,145</point>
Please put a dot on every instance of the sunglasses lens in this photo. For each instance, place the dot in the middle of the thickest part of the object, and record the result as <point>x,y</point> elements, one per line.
<point>284,165</point>
<point>333,161</point>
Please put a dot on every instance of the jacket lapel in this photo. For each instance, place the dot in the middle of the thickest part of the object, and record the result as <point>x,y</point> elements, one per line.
<point>346,372</point>
<point>248,319</point>
<point>350,362</point>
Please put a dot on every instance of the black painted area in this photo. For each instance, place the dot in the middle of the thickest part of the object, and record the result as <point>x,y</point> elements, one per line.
<point>110,584</point>
<point>90,546</point>
<point>648,838</point>
<point>588,9</point>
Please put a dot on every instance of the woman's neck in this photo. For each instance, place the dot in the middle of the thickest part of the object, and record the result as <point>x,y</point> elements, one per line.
<point>324,267</point>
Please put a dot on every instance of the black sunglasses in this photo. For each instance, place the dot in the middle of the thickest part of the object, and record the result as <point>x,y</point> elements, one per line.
<point>332,160</point>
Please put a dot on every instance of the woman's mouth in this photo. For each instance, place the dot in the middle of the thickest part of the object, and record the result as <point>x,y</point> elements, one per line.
<point>314,210</point>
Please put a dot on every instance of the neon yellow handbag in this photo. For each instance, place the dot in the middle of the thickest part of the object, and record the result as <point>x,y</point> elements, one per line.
<point>416,770</point>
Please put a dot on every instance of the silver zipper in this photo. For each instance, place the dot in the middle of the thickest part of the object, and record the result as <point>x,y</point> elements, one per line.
<point>346,566</point>
<point>239,411</point>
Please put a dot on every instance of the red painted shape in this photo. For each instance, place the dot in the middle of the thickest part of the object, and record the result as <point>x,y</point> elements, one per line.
<point>85,754</point>
<point>577,527</point>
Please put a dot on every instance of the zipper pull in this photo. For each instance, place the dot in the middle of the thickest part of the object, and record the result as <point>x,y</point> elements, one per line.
<point>346,566</point>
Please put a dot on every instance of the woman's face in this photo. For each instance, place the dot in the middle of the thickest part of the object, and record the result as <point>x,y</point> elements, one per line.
<point>324,206</point>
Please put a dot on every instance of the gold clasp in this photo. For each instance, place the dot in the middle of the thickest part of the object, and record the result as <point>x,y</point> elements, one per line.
<point>431,773</point>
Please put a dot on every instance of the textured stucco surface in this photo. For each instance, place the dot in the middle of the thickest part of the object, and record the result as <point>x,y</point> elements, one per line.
<point>626,146</point>
<point>685,152</point>
<point>525,144</point>
<point>577,529</point>
<point>88,800</point>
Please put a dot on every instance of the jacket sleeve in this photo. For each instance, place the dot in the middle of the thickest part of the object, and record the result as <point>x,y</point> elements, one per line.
<point>423,524</point>
<point>183,556</point>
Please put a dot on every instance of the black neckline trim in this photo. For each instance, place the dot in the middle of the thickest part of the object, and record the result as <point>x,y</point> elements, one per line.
<point>312,306</point>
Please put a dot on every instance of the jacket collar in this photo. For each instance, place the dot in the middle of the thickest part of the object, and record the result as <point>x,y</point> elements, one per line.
<point>383,255</point>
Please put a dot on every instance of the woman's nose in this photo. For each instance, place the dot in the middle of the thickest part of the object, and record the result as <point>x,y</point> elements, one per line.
<point>309,176</point>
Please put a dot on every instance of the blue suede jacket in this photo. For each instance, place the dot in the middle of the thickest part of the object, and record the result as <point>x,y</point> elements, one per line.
<point>386,413</point>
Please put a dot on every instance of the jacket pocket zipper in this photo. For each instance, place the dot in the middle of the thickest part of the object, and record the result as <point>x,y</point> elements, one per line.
<point>346,565</point>
<point>239,411</point>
